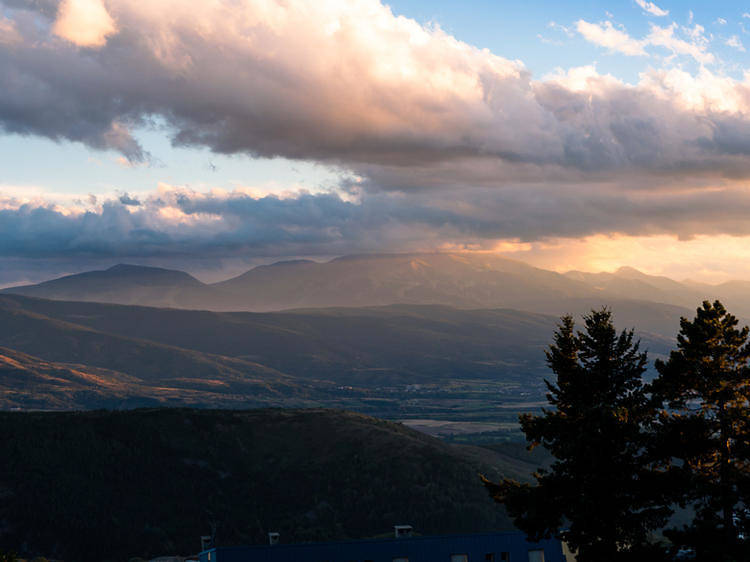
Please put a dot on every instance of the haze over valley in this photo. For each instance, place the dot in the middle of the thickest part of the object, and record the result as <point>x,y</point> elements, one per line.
<point>453,337</point>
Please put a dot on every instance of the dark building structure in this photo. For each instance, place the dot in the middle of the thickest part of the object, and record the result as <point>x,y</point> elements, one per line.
<point>485,547</point>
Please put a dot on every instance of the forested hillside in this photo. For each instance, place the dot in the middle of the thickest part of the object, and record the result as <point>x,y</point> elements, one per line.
<point>111,485</point>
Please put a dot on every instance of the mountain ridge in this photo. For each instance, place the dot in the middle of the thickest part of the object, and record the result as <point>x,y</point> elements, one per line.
<point>127,284</point>
<point>297,357</point>
<point>462,280</point>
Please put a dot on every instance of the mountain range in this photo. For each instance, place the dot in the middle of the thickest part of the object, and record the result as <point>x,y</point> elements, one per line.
<point>457,337</point>
<point>462,280</point>
<point>468,329</point>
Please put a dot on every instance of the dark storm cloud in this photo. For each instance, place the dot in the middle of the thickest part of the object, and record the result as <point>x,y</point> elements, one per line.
<point>128,201</point>
<point>180,222</point>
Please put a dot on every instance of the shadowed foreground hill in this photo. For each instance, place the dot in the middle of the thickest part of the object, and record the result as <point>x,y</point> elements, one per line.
<point>111,485</point>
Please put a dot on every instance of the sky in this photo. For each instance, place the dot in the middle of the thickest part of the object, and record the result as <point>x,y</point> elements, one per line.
<point>576,135</point>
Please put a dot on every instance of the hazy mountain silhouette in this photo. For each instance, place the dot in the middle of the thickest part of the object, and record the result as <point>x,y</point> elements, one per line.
<point>629,283</point>
<point>735,295</point>
<point>468,280</point>
<point>131,284</point>
<point>460,280</point>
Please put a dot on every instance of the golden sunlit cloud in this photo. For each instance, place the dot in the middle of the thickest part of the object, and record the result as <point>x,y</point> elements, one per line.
<point>8,33</point>
<point>84,22</point>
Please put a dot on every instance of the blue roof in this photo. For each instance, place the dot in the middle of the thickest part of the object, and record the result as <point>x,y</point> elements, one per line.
<point>415,549</point>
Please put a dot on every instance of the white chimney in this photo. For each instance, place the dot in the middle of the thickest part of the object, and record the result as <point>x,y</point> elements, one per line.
<point>401,531</point>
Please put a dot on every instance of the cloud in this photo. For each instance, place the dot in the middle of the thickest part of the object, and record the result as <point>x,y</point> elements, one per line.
<point>652,8</point>
<point>606,35</point>
<point>549,224</point>
<point>85,23</point>
<point>451,145</point>
<point>129,201</point>
<point>721,21</point>
<point>176,222</point>
<point>735,43</point>
<point>559,27</point>
<point>351,84</point>
<point>8,33</point>
<point>697,48</point>
<point>556,27</point>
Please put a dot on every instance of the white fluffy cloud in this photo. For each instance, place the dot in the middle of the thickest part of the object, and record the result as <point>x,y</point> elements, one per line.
<point>607,35</point>
<point>652,8</point>
<point>697,47</point>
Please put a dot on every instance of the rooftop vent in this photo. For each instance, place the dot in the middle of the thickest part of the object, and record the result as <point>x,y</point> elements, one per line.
<point>401,531</point>
<point>273,538</point>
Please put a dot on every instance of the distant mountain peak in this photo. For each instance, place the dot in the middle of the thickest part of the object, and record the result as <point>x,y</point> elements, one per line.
<point>290,262</point>
<point>374,256</point>
<point>459,279</point>
<point>134,267</point>
<point>126,284</point>
<point>408,256</point>
<point>629,271</point>
<point>149,272</point>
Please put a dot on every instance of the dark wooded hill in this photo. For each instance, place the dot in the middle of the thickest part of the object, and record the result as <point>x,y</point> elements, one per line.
<point>114,485</point>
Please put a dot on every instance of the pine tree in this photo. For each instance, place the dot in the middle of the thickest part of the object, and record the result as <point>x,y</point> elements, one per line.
<point>598,495</point>
<point>704,434</point>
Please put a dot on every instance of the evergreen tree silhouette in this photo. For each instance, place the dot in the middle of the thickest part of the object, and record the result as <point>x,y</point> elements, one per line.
<point>703,434</point>
<point>599,495</point>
